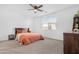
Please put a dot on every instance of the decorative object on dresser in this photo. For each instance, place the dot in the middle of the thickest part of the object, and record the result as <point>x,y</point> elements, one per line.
<point>11,37</point>
<point>71,43</point>
<point>76,23</point>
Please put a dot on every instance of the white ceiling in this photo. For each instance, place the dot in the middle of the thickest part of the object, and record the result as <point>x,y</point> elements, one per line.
<point>48,8</point>
<point>22,9</point>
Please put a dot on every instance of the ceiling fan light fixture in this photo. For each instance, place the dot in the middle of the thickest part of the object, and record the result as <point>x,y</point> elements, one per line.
<point>35,10</point>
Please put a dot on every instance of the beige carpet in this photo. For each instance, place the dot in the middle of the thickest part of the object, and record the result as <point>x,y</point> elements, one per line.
<point>47,46</point>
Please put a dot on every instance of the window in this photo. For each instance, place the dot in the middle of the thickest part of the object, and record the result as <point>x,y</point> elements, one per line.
<point>49,23</point>
<point>49,26</point>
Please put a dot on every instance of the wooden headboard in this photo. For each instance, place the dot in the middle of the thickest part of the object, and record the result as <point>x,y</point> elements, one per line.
<point>20,30</point>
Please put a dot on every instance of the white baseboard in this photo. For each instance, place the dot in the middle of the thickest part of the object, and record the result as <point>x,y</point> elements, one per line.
<point>52,38</point>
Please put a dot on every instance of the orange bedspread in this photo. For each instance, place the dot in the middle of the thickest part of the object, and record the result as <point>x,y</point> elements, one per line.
<point>26,38</point>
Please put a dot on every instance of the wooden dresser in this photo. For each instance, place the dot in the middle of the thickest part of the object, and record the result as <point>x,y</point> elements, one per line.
<point>71,43</point>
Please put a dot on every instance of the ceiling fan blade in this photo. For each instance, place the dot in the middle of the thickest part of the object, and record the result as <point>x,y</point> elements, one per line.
<point>40,6</point>
<point>31,5</point>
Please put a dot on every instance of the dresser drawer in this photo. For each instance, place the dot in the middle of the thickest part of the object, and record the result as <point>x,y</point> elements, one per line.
<point>71,43</point>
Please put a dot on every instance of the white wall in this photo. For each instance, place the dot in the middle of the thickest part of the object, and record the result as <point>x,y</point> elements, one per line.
<point>12,16</point>
<point>64,22</point>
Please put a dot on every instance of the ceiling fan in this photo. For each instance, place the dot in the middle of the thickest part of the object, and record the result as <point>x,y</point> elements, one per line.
<point>36,8</point>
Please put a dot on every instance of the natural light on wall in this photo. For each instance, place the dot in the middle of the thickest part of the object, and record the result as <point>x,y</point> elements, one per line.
<point>49,23</point>
<point>45,26</point>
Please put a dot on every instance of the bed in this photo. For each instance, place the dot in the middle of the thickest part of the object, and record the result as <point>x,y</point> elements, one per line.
<point>24,36</point>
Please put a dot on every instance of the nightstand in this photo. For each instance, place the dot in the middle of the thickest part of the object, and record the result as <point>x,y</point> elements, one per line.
<point>11,37</point>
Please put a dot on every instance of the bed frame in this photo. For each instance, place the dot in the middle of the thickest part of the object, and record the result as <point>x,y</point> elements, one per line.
<point>25,30</point>
<point>19,30</point>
